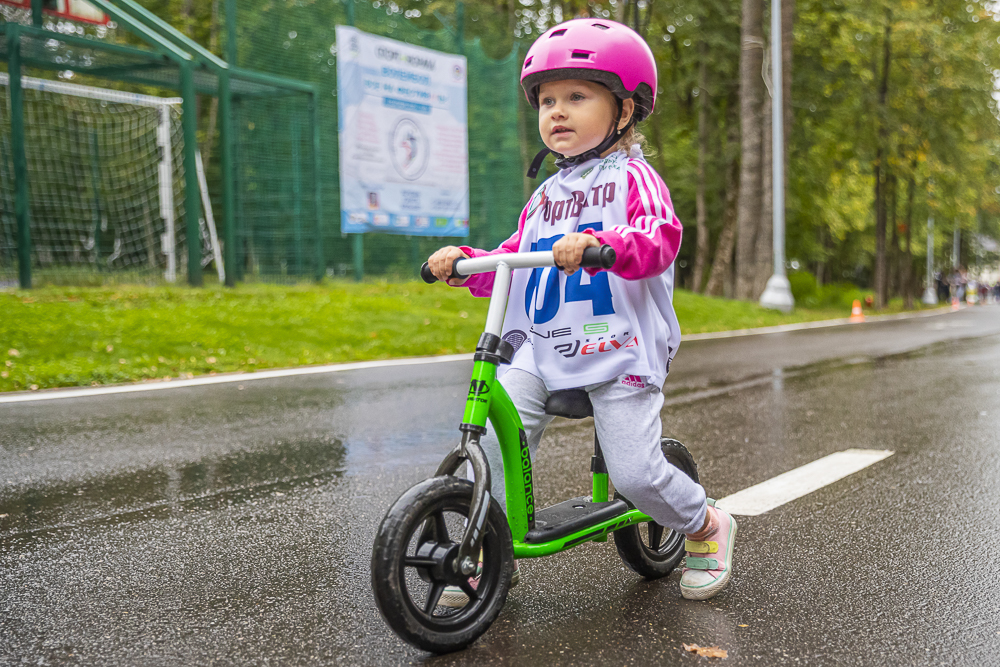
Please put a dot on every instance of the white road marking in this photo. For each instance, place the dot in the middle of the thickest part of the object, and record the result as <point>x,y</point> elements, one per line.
<point>801,481</point>
<point>228,378</point>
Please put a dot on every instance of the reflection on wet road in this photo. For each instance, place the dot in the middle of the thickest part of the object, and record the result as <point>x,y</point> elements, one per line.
<point>234,526</point>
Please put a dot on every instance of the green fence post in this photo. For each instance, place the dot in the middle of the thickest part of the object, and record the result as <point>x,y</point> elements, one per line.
<point>192,205</point>
<point>21,208</point>
<point>234,263</point>
<point>358,240</point>
<point>296,132</point>
<point>36,13</point>
<point>228,186</point>
<point>317,183</point>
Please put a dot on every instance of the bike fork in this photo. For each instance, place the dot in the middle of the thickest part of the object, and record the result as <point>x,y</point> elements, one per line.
<point>470,450</point>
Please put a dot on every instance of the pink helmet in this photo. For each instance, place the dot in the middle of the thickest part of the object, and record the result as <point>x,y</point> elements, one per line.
<point>595,50</point>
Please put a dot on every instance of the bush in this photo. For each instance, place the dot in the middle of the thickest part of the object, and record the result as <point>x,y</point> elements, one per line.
<point>803,285</point>
<point>834,295</point>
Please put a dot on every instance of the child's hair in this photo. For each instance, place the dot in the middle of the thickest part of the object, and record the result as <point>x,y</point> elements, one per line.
<point>631,138</point>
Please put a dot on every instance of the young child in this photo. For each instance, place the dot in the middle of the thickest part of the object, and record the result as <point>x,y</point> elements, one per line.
<point>612,333</point>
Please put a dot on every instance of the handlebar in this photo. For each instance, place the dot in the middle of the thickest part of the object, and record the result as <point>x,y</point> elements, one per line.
<point>602,257</point>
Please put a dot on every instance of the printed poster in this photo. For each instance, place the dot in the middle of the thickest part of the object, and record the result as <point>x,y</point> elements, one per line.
<point>403,126</point>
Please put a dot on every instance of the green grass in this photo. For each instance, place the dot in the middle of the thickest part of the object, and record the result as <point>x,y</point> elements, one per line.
<point>62,336</point>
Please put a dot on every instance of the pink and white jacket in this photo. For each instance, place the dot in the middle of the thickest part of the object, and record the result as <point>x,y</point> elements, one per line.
<point>593,326</point>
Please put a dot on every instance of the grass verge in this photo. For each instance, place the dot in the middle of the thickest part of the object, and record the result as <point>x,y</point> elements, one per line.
<point>66,337</point>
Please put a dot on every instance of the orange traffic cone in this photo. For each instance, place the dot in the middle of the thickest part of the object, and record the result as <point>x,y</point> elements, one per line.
<point>954,303</point>
<point>856,314</point>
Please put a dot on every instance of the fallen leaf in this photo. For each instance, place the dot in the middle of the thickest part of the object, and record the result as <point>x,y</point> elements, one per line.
<point>706,651</point>
<point>14,353</point>
<point>743,625</point>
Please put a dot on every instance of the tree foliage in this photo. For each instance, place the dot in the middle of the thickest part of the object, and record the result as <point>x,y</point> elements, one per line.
<point>889,98</point>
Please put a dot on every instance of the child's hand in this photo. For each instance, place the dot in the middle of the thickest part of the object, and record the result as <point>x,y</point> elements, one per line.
<point>568,251</point>
<point>441,262</point>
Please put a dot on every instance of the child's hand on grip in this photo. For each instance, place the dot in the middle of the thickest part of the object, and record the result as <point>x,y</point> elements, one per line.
<point>441,263</point>
<point>568,251</point>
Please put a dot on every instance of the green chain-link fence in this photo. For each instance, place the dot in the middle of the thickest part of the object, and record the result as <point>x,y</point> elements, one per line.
<point>297,40</point>
<point>96,201</point>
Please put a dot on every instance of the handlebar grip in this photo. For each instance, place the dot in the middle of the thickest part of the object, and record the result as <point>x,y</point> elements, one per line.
<point>426,275</point>
<point>430,279</point>
<point>602,257</point>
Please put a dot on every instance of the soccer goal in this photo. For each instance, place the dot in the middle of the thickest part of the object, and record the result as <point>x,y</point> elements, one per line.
<point>106,181</point>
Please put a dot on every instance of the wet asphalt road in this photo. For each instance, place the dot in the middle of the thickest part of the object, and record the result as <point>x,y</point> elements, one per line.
<point>232,524</point>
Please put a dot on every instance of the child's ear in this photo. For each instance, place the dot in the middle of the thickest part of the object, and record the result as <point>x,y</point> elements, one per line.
<point>628,108</point>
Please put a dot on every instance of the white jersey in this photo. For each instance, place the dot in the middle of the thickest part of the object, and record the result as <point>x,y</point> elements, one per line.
<point>592,327</point>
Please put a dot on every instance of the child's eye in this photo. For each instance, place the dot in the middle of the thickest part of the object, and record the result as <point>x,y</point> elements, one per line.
<point>547,101</point>
<point>576,97</point>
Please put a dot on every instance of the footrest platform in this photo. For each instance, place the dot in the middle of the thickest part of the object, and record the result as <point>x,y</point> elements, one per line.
<point>571,516</point>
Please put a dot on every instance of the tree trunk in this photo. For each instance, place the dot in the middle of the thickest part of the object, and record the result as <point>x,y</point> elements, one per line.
<point>722,264</point>
<point>821,264</point>
<point>764,246</point>
<point>907,277</point>
<point>881,173</point>
<point>619,11</point>
<point>701,248</point>
<point>213,108</point>
<point>187,16</point>
<point>751,100</point>
<point>787,40</point>
<point>891,185</point>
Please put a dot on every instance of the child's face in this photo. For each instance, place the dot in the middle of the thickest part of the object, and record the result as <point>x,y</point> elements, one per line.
<point>574,115</point>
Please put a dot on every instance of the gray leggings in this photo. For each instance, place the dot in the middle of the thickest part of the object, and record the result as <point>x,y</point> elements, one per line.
<point>627,418</point>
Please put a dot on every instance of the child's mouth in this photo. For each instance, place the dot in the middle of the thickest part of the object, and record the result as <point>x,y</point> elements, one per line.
<point>561,130</point>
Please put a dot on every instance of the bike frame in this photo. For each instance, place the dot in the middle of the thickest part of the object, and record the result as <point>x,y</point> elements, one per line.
<point>488,401</point>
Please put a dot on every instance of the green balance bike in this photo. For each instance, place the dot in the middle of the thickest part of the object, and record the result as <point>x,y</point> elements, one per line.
<point>448,532</point>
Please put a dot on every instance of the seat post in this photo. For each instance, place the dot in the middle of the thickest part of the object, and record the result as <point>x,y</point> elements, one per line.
<point>600,470</point>
<point>599,494</point>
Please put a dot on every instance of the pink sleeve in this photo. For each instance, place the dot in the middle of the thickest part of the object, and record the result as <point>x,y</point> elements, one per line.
<point>481,284</point>
<point>648,244</point>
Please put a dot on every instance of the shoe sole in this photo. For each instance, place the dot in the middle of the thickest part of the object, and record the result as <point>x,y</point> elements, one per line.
<point>455,598</point>
<point>712,589</point>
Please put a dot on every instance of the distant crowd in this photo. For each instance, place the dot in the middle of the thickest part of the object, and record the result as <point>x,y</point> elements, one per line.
<point>960,285</point>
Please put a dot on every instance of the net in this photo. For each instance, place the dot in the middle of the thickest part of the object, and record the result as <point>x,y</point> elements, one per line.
<point>106,184</point>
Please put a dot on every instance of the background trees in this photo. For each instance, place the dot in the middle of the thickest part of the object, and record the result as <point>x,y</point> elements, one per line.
<point>883,98</point>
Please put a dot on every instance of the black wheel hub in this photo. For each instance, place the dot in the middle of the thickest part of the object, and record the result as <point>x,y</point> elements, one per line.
<point>443,555</point>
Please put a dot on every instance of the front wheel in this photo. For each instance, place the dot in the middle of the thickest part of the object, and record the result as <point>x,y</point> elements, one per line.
<point>412,564</point>
<point>649,549</point>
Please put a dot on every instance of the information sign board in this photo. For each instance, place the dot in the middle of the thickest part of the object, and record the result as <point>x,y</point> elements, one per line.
<point>404,162</point>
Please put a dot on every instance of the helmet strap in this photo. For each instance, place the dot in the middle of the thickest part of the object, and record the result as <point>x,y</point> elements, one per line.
<point>567,162</point>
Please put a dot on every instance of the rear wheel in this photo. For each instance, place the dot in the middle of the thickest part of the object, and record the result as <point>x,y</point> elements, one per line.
<point>412,563</point>
<point>649,549</point>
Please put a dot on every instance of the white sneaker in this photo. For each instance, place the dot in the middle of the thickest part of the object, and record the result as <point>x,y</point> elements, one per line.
<point>455,597</point>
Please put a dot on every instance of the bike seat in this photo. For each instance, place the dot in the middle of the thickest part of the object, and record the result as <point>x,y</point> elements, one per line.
<point>569,403</point>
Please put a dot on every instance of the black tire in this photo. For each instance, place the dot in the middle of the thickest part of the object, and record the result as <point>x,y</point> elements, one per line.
<point>649,549</point>
<point>403,589</point>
